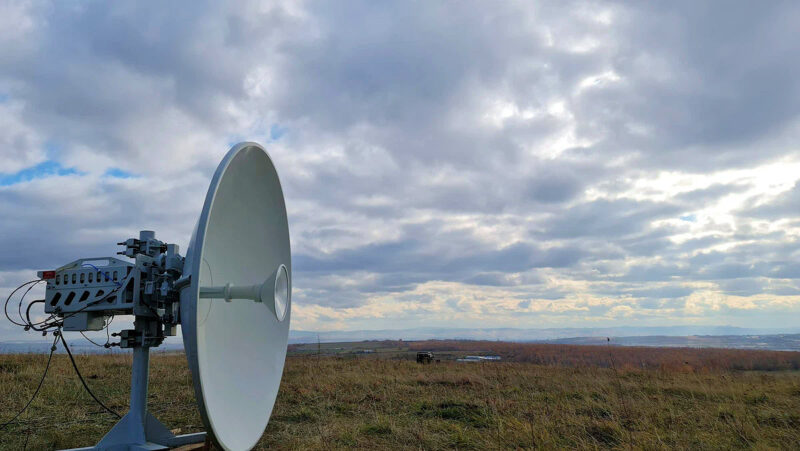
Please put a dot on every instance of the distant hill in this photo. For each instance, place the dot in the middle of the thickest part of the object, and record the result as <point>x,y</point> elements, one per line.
<point>531,335</point>
<point>779,342</point>
<point>679,336</point>
<point>78,345</point>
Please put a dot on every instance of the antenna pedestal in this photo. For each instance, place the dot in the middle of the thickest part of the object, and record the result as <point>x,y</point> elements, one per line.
<point>242,231</point>
<point>138,429</point>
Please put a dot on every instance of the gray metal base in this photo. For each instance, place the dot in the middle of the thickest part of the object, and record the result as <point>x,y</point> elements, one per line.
<point>129,434</point>
<point>138,430</point>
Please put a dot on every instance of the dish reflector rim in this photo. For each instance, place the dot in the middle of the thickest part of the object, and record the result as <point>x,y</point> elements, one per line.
<point>196,250</point>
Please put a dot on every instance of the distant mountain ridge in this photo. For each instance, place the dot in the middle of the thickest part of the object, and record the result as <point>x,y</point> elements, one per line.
<point>780,339</point>
<point>772,342</point>
<point>522,335</point>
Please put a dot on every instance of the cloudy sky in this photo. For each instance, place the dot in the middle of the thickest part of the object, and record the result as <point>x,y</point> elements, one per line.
<point>444,163</point>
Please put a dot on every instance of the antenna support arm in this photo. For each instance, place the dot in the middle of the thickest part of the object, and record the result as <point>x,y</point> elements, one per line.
<point>274,292</point>
<point>230,292</point>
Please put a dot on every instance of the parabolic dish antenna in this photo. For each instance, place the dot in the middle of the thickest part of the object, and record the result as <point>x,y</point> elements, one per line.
<point>232,295</point>
<point>235,312</point>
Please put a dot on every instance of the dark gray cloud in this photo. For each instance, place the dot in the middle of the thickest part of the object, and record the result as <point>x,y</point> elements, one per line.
<point>706,81</point>
<point>555,186</point>
<point>743,286</point>
<point>607,219</point>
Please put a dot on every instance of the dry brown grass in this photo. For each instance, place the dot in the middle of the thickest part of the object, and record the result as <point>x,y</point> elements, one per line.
<point>333,402</point>
<point>673,359</point>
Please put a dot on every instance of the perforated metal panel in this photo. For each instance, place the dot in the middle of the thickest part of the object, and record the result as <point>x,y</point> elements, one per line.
<point>89,285</point>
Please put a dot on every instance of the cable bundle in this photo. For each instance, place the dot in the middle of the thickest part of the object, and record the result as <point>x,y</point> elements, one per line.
<point>53,324</point>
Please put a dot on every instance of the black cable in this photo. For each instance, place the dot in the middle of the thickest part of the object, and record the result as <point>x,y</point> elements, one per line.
<point>74,365</point>
<point>21,299</point>
<point>106,345</point>
<point>39,387</point>
<point>28,314</point>
<point>60,322</point>
<point>49,324</point>
<point>91,341</point>
<point>108,334</point>
<point>52,321</point>
<point>33,325</point>
<point>5,307</point>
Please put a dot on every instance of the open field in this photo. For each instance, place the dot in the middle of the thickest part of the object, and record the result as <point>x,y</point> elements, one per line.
<point>384,400</point>
<point>621,357</point>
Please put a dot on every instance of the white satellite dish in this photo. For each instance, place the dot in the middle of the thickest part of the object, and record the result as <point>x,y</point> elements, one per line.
<point>231,295</point>
<point>239,253</point>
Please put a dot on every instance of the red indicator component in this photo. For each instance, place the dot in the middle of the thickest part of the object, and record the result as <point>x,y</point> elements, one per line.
<point>48,274</point>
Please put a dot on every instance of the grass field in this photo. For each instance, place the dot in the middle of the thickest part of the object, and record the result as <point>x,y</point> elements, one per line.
<point>384,400</point>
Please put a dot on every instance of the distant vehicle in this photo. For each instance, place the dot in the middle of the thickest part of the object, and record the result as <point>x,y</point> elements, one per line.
<point>424,357</point>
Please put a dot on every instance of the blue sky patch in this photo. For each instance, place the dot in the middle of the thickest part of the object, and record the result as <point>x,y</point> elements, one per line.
<point>276,132</point>
<point>47,168</point>
<point>118,173</point>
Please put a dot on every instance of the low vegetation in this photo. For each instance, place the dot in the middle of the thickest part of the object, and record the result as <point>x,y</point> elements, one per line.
<point>385,400</point>
<point>673,359</point>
